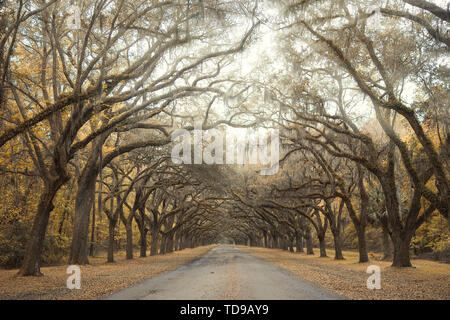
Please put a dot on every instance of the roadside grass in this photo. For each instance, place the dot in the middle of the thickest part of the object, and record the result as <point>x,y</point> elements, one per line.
<point>97,279</point>
<point>428,280</point>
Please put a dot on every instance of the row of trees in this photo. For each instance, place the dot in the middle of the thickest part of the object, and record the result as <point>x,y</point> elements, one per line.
<point>74,101</point>
<point>361,102</point>
<point>364,117</point>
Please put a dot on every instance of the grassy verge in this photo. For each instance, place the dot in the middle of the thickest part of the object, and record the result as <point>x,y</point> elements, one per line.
<point>428,280</point>
<point>97,279</point>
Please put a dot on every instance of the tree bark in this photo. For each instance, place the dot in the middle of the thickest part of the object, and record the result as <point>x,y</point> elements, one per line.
<point>182,240</point>
<point>154,241</point>
<point>169,243</point>
<point>266,240</point>
<point>32,261</point>
<point>362,247</point>
<point>274,243</point>
<point>309,243</point>
<point>129,232</point>
<point>284,243</point>
<point>322,246</point>
<point>111,242</point>
<point>401,251</point>
<point>176,241</point>
<point>162,247</point>
<point>84,201</point>
<point>83,204</point>
<point>387,247</point>
<point>299,242</point>
<point>143,241</point>
<point>91,247</point>
<point>337,246</point>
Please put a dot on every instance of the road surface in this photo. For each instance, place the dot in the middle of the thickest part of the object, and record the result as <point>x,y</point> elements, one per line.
<point>225,273</point>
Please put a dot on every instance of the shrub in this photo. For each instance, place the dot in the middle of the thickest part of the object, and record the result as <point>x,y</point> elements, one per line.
<point>13,239</point>
<point>442,251</point>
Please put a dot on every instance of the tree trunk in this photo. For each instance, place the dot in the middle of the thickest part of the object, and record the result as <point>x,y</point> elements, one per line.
<point>162,247</point>
<point>337,246</point>
<point>83,204</point>
<point>169,244</point>
<point>360,224</point>
<point>32,259</point>
<point>266,240</point>
<point>85,199</point>
<point>143,241</point>
<point>284,243</point>
<point>309,243</point>
<point>387,247</point>
<point>299,243</point>
<point>273,242</point>
<point>111,242</point>
<point>154,241</point>
<point>91,247</point>
<point>181,246</point>
<point>187,242</point>
<point>401,252</point>
<point>279,242</point>
<point>176,241</point>
<point>182,242</point>
<point>291,246</point>
<point>322,246</point>
<point>363,256</point>
<point>400,236</point>
<point>129,247</point>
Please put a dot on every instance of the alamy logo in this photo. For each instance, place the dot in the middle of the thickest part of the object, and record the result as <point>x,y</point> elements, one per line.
<point>74,19</point>
<point>252,148</point>
<point>74,280</point>
<point>374,281</point>
<point>375,16</point>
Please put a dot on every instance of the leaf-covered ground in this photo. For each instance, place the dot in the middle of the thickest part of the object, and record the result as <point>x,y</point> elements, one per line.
<point>97,279</point>
<point>428,280</point>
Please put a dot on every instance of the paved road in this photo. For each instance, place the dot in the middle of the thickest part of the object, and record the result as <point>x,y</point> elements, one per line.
<point>226,273</point>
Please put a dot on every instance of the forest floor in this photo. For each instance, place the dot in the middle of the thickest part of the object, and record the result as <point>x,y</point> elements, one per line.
<point>97,279</point>
<point>428,280</point>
